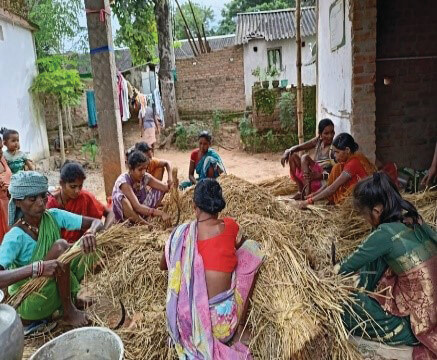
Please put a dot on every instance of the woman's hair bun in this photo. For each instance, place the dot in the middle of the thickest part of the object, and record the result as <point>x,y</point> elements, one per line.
<point>208,196</point>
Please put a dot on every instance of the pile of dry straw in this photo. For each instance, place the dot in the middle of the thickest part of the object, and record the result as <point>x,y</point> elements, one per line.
<point>297,302</point>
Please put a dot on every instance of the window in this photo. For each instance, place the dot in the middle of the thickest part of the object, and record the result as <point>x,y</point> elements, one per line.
<point>274,58</point>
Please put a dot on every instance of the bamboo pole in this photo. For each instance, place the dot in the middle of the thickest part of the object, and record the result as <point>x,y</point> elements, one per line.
<point>299,97</point>
<point>208,48</point>
<point>199,36</point>
<point>187,29</point>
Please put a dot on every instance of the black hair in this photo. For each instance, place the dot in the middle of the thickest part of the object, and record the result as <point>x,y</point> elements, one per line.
<point>129,151</point>
<point>7,133</point>
<point>136,158</point>
<point>206,135</point>
<point>379,189</point>
<point>345,140</point>
<point>142,146</point>
<point>71,171</point>
<point>324,123</point>
<point>208,196</point>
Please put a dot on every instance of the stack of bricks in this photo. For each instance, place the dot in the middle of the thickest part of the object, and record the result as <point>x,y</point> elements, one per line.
<point>212,81</point>
<point>363,14</point>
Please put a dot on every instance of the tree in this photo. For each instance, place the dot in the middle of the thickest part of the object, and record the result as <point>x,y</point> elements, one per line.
<point>58,23</point>
<point>143,24</point>
<point>204,15</point>
<point>229,13</point>
<point>58,77</point>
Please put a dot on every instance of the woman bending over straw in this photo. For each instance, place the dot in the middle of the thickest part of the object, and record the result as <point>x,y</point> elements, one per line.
<point>136,194</point>
<point>398,262</point>
<point>211,277</point>
<point>31,248</point>
<point>351,168</point>
<point>310,175</point>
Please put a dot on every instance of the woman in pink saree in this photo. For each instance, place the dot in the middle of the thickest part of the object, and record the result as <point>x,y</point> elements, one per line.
<point>211,276</point>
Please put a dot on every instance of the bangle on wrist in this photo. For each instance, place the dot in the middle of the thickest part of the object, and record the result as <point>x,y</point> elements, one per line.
<point>310,201</point>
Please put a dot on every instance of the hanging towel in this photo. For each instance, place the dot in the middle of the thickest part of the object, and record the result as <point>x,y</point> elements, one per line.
<point>158,107</point>
<point>125,100</point>
<point>91,107</point>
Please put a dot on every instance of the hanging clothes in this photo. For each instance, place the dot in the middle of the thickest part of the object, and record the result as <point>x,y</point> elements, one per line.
<point>158,107</point>
<point>125,100</point>
<point>91,107</point>
<point>120,90</point>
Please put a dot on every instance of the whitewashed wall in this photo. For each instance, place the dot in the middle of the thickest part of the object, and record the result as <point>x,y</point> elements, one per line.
<point>334,72</point>
<point>254,59</point>
<point>17,108</point>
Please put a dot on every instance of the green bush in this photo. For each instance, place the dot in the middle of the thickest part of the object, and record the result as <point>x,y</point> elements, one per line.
<point>287,111</point>
<point>265,101</point>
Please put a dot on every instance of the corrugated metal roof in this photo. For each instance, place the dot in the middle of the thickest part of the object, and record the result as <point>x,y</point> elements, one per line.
<point>274,25</point>
<point>215,42</point>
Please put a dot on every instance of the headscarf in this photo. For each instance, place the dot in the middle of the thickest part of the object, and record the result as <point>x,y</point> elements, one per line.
<point>24,184</point>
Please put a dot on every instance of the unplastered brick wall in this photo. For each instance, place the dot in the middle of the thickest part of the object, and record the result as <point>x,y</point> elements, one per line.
<point>363,15</point>
<point>212,81</point>
<point>406,108</point>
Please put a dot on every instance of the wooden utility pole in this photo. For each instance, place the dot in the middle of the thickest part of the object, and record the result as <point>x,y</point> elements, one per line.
<point>299,75</point>
<point>105,88</point>
<point>166,61</point>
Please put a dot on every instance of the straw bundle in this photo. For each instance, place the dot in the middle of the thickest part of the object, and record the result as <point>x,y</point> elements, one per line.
<point>279,186</point>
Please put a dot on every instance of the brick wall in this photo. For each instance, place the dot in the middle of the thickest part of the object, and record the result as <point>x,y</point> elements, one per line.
<point>406,110</point>
<point>213,81</point>
<point>363,15</point>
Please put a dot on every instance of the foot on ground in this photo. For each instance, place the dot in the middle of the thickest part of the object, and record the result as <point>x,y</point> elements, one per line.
<point>76,318</point>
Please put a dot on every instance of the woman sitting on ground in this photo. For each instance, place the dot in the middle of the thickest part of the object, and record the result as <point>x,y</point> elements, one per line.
<point>32,246</point>
<point>5,179</point>
<point>351,168</point>
<point>310,175</point>
<point>136,194</point>
<point>156,166</point>
<point>211,271</point>
<point>72,198</point>
<point>398,263</point>
<point>205,161</point>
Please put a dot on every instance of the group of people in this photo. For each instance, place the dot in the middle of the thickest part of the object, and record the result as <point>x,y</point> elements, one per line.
<point>211,266</point>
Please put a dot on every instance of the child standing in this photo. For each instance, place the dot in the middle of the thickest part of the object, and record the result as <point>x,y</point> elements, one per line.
<point>71,197</point>
<point>16,159</point>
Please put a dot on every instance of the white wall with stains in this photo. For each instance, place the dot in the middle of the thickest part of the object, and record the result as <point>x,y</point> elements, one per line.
<point>334,72</point>
<point>18,110</point>
<point>253,59</point>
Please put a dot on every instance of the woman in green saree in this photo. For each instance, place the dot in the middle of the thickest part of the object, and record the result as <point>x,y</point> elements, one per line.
<point>398,263</point>
<point>32,246</point>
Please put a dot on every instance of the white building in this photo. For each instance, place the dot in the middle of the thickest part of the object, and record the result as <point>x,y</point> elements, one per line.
<point>269,40</point>
<point>18,110</point>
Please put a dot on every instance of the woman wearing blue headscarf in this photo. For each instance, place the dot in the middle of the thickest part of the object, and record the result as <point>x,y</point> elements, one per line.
<point>32,246</point>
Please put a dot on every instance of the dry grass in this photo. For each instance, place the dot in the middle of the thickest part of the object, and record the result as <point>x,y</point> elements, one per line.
<point>297,303</point>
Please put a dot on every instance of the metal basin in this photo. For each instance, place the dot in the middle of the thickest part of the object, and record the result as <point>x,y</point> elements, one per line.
<point>11,334</point>
<point>85,343</point>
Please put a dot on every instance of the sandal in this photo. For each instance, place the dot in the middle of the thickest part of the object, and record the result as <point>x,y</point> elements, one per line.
<point>39,328</point>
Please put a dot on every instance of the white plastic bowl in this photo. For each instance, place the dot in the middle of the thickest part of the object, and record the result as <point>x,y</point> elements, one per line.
<point>84,343</point>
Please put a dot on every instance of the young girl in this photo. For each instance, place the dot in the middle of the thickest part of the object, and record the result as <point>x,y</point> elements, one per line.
<point>71,197</point>
<point>16,159</point>
<point>5,180</point>
<point>136,194</point>
<point>398,262</point>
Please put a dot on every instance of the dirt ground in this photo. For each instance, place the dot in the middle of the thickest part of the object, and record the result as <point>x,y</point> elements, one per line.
<point>251,167</point>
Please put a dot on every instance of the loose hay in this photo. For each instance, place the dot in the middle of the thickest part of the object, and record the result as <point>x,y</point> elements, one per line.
<point>279,186</point>
<point>297,303</point>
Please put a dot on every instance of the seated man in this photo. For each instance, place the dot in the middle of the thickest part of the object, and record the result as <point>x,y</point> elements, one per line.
<point>32,246</point>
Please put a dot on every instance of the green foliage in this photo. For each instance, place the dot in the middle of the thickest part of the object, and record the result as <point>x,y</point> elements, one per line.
<point>90,150</point>
<point>287,110</point>
<point>58,77</point>
<point>187,135</point>
<point>58,23</point>
<point>137,28</point>
<point>229,13</point>
<point>265,101</point>
<point>217,119</point>
<point>204,15</point>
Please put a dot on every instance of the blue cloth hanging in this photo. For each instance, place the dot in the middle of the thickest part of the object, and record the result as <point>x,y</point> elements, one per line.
<point>91,107</point>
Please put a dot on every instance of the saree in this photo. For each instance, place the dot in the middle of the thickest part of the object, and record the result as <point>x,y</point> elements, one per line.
<point>403,307</point>
<point>200,327</point>
<point>44,303</point>
<point>346,189</point>
<point>5,177</point>
<point>210,159</point>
